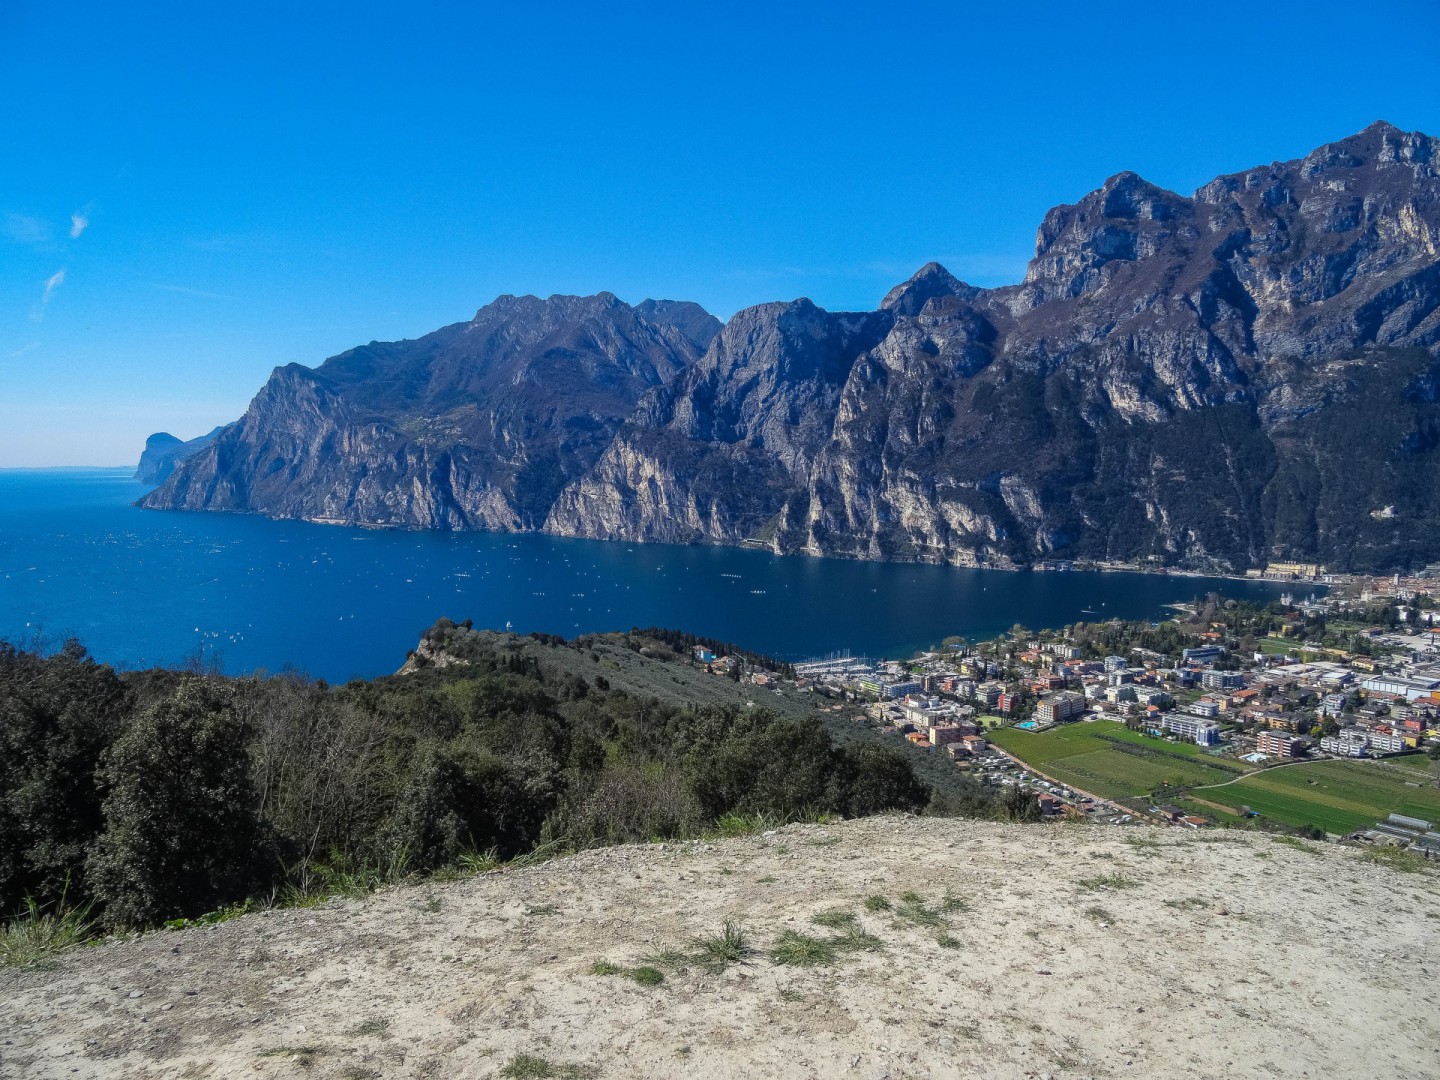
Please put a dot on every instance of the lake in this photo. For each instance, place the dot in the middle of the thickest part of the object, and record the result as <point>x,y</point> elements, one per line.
<point>143,587</point>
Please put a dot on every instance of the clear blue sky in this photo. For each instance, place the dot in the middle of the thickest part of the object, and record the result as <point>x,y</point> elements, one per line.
<point>196,193</point>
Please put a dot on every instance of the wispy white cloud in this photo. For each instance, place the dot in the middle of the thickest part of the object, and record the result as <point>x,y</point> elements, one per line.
<point>24,350</point>
<point>24,229</point>
<point>79,222</point>
<point>55,281</point>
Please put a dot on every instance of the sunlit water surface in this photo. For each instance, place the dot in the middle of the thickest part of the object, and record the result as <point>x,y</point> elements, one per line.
<point>141,587</point>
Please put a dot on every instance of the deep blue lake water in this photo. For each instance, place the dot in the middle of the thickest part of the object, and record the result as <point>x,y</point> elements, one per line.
<point>142,587</point>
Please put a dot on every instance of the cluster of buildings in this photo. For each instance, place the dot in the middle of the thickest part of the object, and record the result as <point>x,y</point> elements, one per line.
<point>1293,571</point>
<point>718,665</point>
<point>1258,707</point>
<point>936,706</point>
<point>1274,706</point>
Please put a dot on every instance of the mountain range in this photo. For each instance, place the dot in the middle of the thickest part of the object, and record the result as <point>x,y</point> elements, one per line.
<point>1245,375</point>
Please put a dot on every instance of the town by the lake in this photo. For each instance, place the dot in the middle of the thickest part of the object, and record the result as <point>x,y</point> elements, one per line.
<point>1317,715</point>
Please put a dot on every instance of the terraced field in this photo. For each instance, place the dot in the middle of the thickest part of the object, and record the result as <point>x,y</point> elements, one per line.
<point>1082,755</point>
<point>1337,796</point>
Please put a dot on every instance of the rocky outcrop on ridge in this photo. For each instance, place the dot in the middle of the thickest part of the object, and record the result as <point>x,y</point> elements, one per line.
<point>164,451</point>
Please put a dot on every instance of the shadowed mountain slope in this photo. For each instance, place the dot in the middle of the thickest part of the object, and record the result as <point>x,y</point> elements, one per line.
<point>164,451</point>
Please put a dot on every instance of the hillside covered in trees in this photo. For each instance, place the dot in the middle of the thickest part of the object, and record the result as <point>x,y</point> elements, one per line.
<point>162,794</point>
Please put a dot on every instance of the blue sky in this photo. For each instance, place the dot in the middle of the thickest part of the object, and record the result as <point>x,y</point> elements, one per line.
<point>197,193</point>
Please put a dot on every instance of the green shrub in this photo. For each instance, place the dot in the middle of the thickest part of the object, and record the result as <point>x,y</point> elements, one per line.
<point>181,833</point>
<point>715,952</point>
<point>57,716</point>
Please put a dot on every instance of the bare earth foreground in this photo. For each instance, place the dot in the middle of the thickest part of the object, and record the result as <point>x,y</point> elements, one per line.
<point>1205,955</point>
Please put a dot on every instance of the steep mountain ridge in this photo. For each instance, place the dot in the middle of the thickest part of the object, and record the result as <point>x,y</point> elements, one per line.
<point>748,418</point>
<point>1156,388</point>
<point>477,425</point>
<point>1215,381</point>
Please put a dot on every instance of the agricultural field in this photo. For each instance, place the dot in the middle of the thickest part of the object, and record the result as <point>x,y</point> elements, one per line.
<point>1420,763</point>
<point>1188,749</point>
<point>1210,810</point>
<point>1337,796</point>
<point>1117,775</point>
<point>1076,754</point>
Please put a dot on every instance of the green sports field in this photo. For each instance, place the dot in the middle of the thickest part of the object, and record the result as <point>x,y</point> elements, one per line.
<point>1337,796</point>
<point>1060,742</point>
<point>1077,755</point>
<point>1188,749</point>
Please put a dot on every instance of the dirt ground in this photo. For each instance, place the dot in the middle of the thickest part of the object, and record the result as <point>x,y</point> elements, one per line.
<point>1064,952</point>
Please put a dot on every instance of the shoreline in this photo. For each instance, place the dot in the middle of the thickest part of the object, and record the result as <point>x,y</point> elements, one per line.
<point>746,544</point>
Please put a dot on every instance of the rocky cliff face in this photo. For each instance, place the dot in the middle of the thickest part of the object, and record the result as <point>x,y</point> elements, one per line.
<point>1214,381</point>
<point>477,426</point>
<point>725,447</point>
<point>164,451</point>
<point>1246,374</point>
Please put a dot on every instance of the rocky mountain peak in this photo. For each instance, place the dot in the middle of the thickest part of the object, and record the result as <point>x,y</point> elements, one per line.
<point>1126,219</point>
<point>696,324</point>
<point>794,340</point>
<point>555,308</point>
<point>164,452</point>
<point>1129,196</point>
<point>510,323</point>
<point>929,282</point>
<point>1382,143</point>
<point>1362,163</point>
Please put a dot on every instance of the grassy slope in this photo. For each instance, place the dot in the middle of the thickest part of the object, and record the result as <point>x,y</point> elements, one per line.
<point>1420,763</point>
<point>1338,796</point>
<point>678,680</point>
